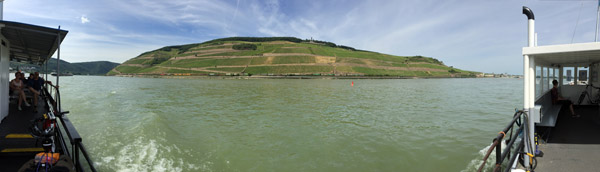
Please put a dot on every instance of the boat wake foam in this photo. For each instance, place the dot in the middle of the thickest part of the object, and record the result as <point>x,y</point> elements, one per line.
<point>489,164</point>
<point>149,155</point>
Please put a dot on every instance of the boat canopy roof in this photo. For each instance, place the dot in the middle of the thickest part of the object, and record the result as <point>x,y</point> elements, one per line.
<point>31,43</point>
<point>580,54</point>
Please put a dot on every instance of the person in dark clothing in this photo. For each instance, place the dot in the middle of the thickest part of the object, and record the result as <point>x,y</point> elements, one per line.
<point>26,80</point>
<point>557,99</point>
<point>35,86</point>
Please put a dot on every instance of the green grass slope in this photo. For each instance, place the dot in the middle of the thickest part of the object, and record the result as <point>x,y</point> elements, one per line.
<point>280,56</point>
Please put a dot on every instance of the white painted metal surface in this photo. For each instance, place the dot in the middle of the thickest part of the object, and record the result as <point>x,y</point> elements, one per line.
<point>597,18</point>
<point>4,72</point>
<point>4,78</point>
<point>525,82</point>
<point>531,103</point>
<point>536,114</point>
<point>560,77</point>
<point>548,80</point>
<point>572,92</point>
<point>529,83</point>
<point>1,9</point>
<point>576,78</point>
<point>548,57</point>
<point>578,54</point>
<point>542,81</point>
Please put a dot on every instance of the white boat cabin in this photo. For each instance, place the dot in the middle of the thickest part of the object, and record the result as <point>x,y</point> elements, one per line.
<point>574,66</point>
<point>24,43</point>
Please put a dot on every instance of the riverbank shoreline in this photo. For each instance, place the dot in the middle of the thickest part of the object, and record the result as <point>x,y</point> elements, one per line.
<point>288,77</point>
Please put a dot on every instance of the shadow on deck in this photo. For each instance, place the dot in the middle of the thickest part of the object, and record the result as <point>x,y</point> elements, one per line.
<point>574,143</point>
<point>16,151</point>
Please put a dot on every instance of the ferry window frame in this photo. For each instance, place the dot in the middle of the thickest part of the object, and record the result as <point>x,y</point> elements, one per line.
<point>593,73</point>
<point>579,77</point>
<point>566,75</point>
<point>538,81</point>
<point>557,73</point>
<point>544,76</point>
<point>544,79</point>
<point>550,77</point>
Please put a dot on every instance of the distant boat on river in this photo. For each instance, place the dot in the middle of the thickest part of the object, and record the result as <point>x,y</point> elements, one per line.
<point>62,74</point>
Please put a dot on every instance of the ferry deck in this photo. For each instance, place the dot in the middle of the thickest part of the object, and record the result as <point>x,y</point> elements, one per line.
<point>573,144</point>
<point>567,143</point>
<point>22,132</point>
<point>544,136</point>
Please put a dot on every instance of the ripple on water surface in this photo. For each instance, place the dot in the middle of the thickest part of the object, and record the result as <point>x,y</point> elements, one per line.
<point>140,124</point>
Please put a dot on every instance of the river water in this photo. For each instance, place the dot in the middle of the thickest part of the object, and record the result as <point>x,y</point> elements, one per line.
<point>149,124</point>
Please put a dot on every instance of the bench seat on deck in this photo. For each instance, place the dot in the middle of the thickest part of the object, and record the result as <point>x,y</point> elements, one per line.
<point>549,111</point>
<point>549,115</point>
<point>13,98</point>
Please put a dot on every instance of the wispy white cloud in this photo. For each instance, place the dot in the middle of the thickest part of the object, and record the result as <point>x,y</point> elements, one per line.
<point>237,6</point>
<point>84,20</point>
<point>208,13</point>
<point>474,35</point>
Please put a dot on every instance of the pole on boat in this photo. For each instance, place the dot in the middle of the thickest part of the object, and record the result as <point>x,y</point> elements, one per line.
<point>58,56</point>
<point>529,82</point>
<point>1,9</point>
<point>597,18</point>
<point>46,70</point>
<point>58,69</point>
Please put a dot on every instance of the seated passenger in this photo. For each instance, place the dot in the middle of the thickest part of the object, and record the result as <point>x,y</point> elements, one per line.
<point>17,86</point>
<point>26,80</point>
<point>35,86</point>
<point>557,99</point>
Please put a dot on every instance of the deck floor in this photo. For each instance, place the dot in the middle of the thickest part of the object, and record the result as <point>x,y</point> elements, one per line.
<point>18,122</point>
<point>574,143</point>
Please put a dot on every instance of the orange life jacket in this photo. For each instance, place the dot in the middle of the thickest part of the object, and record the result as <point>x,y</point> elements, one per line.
<point>47,157</point>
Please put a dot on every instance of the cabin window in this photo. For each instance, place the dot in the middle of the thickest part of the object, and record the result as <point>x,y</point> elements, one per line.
<point>551,77</point>
<point>568,75</point>
<point>582,76</point>
<point>544,79</point>
<point>556,73</point>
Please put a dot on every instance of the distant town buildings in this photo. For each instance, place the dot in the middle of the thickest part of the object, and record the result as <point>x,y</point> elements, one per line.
<point>502,75</point>
<point>24,69</point>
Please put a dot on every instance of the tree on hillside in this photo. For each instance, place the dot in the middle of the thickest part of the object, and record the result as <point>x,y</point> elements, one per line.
<point>244,47</point>
<point>159,57</point>
<point>257,39</point>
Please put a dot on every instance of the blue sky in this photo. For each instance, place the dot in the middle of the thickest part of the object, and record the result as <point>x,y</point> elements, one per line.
<point>478,35</point>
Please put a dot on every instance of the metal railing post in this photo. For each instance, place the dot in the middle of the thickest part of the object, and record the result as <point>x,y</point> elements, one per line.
<point>73,152</point>
<point>499,153</point>
<point>77,165</point>
<point>514,157</point>
<point>497,142</point>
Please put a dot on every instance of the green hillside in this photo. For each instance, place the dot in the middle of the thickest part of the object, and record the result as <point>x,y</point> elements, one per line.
<point>280,56</point>
<point>81,68</point>
<point>95,68</point>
